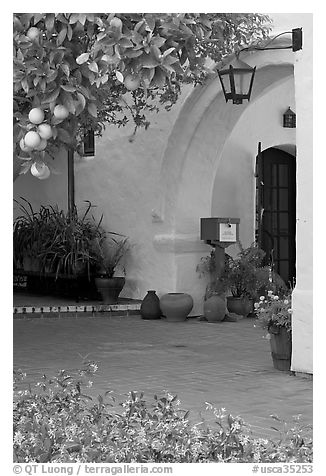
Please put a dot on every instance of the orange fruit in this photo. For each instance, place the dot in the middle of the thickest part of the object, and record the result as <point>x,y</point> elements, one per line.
<point>36,115</point>
<point>40,170</point>
<point>45,174</point>
<point>60,112</point>
<point>42,145</point>
<point>131,82</point>
<point>32,139</point>
<point>23,146</point>
<point>33,33</point>
<point>45,131</point>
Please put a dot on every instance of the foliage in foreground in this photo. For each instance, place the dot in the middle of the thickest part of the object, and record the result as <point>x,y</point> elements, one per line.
<point>56,422</point>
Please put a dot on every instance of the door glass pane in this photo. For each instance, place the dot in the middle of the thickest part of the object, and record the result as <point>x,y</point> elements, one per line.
<point>283,178</point>
<point>274,195</point>
<point>283,247</point>
<point>283,199</point>
<point>274,174</point>
<point>274,223</point>
<point>284,270</point>
<point>284,222</point>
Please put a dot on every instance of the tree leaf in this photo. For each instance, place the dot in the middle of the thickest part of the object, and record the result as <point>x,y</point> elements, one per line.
<point>68,88</point>
<point>63,135</point>
<point>81,100</point>
<point>149,61</point>
<point>74,18</point>
<point>167,52</point>
<point>62,35</point>
<point>159,78</point>
<point>65,68</point>
<point>133,53</point>
<point>69,32</point>
<point>119,76</point>
<point>92,109</point>
<point>158,41</point>
<point>150,20</point>
<point>93,67</point>
<point>82,58</point>
<point>82,18</point>
<point>52,96</point>
<point>25,86</point>
<point>25,167</point>
<point>49,22</point>
<point>125,42</point>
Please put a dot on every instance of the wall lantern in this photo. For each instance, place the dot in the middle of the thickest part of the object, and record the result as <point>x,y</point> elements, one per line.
<point>289,118</point>
<point>237,79</point>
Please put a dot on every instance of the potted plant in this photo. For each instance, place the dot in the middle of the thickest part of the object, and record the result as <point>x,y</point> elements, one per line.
<point>240,278</point>
<point>58,244</point>
<point>243,277</point>
<point>274,313</point>
<point>110,252</point>
<point>27,232</point>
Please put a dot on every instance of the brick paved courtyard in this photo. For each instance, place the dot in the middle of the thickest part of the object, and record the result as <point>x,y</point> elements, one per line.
<point>227,364</point>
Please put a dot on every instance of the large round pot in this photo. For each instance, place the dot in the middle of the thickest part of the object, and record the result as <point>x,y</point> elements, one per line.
<point>150,306</point>
<point>281,347</point>
<point>176,306</point>
<point>110,288</point>
<point>215,308</point>
<point>239,305</point>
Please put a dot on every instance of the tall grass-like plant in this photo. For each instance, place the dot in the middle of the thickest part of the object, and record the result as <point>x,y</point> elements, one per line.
<point>62,242</point>
<point>109,252</point>
<point>55,421</point>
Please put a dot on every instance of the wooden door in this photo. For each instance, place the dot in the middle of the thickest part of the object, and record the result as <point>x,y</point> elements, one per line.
<point>276,210</point>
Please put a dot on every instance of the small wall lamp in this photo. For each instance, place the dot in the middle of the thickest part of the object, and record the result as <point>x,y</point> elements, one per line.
<point>238,78</point>
<point>289,118</point>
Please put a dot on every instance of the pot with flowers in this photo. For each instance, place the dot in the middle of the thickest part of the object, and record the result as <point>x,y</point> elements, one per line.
<point>110,252</point>
<point>274,313</point>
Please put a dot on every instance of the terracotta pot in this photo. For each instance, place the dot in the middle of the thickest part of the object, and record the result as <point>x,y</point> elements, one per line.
<point>176,306</point>
<point>215,308</point>
<point>281,347</point>
<point>239,305</point>
<point>150,306</point>
<point>110,288</point>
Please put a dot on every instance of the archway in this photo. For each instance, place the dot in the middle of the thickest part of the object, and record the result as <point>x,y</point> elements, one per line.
<point>196,145</point>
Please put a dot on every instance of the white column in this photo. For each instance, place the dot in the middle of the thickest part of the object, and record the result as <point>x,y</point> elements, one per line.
<point>303,298</point>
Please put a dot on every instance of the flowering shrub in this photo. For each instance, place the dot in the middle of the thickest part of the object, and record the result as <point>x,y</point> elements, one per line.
<point>57,422</point>
<point>274,311</point>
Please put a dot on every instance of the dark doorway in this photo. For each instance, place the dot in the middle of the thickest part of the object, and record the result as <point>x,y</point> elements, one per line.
<point>276,210</point>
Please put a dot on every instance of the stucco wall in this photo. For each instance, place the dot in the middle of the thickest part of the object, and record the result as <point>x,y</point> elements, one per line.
<point>51,191</point>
